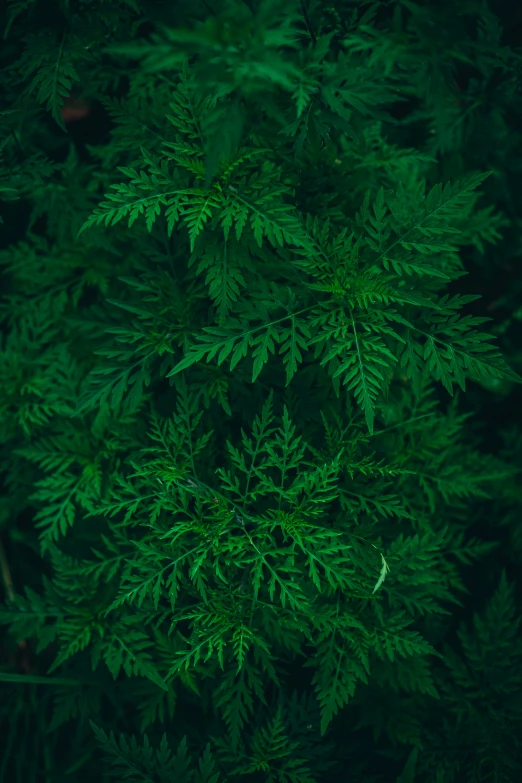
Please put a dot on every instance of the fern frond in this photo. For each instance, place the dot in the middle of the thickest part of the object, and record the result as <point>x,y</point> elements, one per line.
<point>52,63</point>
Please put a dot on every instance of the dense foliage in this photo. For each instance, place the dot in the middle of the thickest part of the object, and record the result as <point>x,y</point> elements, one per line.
<point>260,391</point>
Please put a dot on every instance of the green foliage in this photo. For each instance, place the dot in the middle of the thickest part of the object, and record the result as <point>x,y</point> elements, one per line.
<point>137,764</point>
<point>255,523</point>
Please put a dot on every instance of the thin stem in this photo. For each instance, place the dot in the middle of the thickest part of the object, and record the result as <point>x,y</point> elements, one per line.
<point>6,572</point>
<point>308,23</point>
